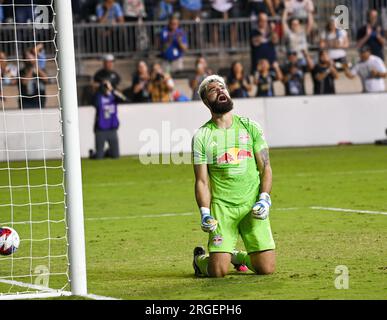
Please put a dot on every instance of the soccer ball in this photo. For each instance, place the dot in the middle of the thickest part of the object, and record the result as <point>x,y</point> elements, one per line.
<point>9,241</point>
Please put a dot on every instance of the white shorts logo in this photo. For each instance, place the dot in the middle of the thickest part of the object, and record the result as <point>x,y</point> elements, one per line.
<point>217,240</point>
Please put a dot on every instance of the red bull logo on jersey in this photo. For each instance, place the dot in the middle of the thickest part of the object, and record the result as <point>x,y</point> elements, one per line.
<point>234,156</point>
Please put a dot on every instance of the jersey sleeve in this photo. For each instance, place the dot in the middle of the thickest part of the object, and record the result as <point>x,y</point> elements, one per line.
<point>198,148</point>
<point>259,141</point>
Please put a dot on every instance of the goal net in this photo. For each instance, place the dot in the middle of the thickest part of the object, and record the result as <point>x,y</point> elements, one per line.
<point>33,194</point>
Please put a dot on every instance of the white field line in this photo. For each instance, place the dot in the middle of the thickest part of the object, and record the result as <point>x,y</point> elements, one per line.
<point>45,292</point>
<point>285,209</point>
<point>162,215</point>
<point>348,210</point>
<point>306,174</point>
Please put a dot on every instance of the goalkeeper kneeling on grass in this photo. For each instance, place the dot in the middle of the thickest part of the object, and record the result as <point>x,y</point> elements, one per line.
<point>232,188</point>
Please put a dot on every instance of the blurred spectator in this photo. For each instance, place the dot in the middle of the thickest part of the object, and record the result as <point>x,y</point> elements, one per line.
<point>201,72</point>
<point>8,72</point>
<point>264,78</point>
<point>1,12</point>
<point>372,35</point>
<point>370,69</point>
<point>110,12</point>
<point>293,75</point>
<point>255,7</point>
<point>190,9</point>
<point>84,10</point>
<point>300,9</point>
<point>173,45</point>
<point>335,41</point>
<point>107,73</point>
<point>150,9</point>
<point>32,87</point>
<point>323,73</point>
<point>134,10</point>
<point>238,83</point>
<point>263,41</point>
<point>37,53</point>
<point>278,7</point>
<point>164,9</point>
<point>140,82</point>
<point>23,11</point>
<point>161,85</point>
<point>106,121</point>
<point>179,97</point>
<point>296,35</point>
<point>225,9</point>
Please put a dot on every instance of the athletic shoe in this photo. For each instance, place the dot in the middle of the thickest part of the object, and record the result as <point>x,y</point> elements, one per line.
<point>237,266</point>
<point>198,251</point>
<point>241,268</point>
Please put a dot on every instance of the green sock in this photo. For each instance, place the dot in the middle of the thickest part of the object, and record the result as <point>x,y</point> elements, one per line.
<point>202,263</point>
<point>241,257</point>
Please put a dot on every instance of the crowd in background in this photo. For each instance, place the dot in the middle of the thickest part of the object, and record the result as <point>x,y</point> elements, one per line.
<point>153,81</point>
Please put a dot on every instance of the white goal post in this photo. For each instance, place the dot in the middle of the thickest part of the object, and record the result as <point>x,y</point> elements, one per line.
<point>72,157</point>
<point>41,181</point>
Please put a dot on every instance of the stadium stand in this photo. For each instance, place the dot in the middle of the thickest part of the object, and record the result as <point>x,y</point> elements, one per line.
<point>138,38</point>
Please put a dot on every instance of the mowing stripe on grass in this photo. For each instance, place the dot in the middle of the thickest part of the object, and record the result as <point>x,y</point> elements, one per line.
<point>348,210</point>
<point>299,174</point>
<point>142,216</point>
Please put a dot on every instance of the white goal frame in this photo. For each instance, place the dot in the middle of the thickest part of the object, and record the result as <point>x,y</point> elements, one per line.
<point>72,156</point>
<point>72,165</point>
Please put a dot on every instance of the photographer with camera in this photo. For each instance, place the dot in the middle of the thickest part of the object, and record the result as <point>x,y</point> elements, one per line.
<point>106,121</point>
<point>161,85</point>
<point>293,75</point>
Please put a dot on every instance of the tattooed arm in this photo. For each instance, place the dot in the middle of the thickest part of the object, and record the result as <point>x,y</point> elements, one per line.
<point>264,168</point>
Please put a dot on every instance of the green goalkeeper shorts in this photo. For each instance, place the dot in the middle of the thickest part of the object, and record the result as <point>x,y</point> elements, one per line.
<point>232,221</point>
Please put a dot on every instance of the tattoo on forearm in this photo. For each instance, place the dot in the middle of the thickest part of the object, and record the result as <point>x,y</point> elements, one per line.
<point>265,157</point>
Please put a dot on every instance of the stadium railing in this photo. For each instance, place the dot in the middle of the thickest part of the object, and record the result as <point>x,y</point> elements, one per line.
<point>132,39</point>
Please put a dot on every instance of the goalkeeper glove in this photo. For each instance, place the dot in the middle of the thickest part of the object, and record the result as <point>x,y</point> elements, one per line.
<point>209,224</point>
<point>261,208</point>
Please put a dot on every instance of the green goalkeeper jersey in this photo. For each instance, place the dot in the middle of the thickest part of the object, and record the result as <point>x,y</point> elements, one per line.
<point>229,155</point>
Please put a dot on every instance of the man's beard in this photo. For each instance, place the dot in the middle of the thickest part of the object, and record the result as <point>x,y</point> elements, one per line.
<point>221,107</point>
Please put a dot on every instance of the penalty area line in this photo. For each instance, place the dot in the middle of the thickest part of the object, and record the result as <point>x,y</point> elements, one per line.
<point>348,210</point>
<point>162,215</point>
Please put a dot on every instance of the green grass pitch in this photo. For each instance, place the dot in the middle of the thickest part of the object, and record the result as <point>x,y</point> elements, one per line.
<point>135,250</point>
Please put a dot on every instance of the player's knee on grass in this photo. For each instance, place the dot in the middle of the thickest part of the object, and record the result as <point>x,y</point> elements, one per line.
<point>264,269</point>
<point>218,265</point>
<point>263,262</point>
<point>217,271</point>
